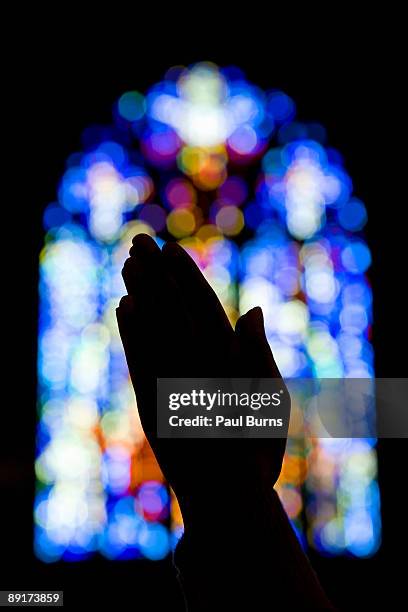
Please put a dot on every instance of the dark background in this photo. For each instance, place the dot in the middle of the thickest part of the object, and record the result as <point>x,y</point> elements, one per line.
<point>351,83</point>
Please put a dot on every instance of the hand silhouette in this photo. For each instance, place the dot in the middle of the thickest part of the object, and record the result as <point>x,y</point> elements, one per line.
<point>173,325</point>
<point>237,536</point>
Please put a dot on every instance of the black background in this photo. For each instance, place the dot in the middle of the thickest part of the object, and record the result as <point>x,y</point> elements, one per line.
<point>67,77</point>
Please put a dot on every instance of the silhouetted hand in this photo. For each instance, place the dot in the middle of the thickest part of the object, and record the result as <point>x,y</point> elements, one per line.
<point>238,550</point>
<point>173,325</point>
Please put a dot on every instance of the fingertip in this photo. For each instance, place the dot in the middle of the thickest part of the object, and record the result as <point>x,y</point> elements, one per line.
<point>126,304</point>
<point>257,315</point>
<point>132,274</point>
<point>172,249</point>
<point>129,263</point>
<point>251,320</point>
<point>143,243</point>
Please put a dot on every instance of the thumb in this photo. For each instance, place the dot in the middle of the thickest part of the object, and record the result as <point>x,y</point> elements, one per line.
<point>256,354</point>
<point>256,361</point>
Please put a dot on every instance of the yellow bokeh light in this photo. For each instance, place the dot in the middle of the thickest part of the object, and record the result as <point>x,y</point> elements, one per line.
<point>181,223</point>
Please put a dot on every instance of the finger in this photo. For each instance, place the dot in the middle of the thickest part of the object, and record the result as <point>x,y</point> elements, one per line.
<point>149,280</point>
<point>140,270</point>
<point>143,244</point>
<point>197,293</point>
<point>140,350</point>
<point>254,347</point>
<point>257,362</point>
<point>145,273</point>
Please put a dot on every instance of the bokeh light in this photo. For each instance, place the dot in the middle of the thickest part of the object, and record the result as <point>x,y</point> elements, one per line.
<point>267,211</point>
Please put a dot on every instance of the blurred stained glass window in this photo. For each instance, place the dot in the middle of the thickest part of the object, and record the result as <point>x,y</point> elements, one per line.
<point>267,210</point>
